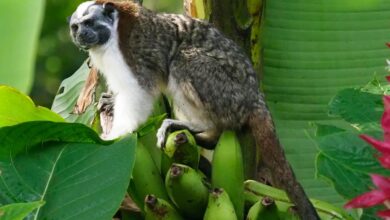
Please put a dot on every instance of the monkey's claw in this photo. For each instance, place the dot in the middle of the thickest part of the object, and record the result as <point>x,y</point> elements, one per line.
<point>163,131</point>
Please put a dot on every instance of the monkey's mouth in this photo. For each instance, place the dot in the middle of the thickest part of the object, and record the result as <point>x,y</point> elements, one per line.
<point>86,42</point>
<point>85,45</point>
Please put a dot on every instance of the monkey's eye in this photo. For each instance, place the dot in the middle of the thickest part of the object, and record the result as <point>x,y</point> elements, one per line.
<point>88,22</point>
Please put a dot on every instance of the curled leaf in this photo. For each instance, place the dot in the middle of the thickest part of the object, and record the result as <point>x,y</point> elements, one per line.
<point>86,97</point>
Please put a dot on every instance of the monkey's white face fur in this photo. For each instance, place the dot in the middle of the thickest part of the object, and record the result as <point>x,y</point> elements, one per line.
<point>91,24</point>
<point>133,104</point>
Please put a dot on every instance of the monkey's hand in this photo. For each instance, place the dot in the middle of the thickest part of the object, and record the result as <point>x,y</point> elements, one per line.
<point>106,109</point>
<point>106,103</point>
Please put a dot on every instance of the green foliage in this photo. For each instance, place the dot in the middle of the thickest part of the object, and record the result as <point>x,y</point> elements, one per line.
<point>18,211</point>
<point>347,161</point>
<point>311,50</point>
<point>57,55</point>
<point>344,159</point>
<point>20,23</point>
<point>65,165</point>
<point>357,107</point>
<point>16,108</point>
<point>172,6</point>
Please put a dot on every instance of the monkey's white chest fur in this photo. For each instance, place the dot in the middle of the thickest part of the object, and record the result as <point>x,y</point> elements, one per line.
<point>132,104</point>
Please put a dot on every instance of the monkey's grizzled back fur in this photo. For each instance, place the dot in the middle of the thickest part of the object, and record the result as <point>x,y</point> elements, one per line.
<point>212,81</point>
<point>189,50</point>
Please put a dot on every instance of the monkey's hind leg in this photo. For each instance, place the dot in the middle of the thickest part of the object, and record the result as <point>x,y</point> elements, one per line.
<point>170,125</point>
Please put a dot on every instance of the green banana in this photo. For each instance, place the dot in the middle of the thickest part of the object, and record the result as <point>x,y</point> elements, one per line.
<point>186,188</point>
<point>264,209</point>
<point>255,191</point>
<point>147,136</point>
<point>228,171</point>
<point>159,209</point>
<point>254,211</point>
<point>219,206</point>
<point>182,148</point>
<point>146,178</point>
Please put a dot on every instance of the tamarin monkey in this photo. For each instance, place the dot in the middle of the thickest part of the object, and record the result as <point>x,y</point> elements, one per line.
<point>211,81</point>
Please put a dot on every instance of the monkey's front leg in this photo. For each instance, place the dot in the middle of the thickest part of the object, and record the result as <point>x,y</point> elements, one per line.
<point>129,111</point>
<point>203,138</point>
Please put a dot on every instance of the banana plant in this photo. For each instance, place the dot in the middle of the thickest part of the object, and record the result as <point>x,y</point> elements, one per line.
<point>305,51</point>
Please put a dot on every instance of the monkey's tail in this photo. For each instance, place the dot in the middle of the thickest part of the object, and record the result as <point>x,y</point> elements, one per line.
<point>271,153</point>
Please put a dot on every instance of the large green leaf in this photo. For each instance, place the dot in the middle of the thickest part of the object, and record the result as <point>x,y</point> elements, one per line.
<point>20,23</point>
<point>18,211</point>
<point>348,161</point>
<point>357,107</point>
<point>16,107</point>
<point>66,165</point>
<point>312,49</point>
<point>344,158</point>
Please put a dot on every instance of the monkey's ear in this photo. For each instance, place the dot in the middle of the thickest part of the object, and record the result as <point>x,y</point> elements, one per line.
<point>108,7</point>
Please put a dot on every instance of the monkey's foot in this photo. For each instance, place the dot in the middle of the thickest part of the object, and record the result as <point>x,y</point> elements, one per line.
<point>171,125</point>
<point>106,104</point>
<point>163,131</point>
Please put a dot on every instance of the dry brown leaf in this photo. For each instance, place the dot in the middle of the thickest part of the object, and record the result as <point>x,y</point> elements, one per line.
<point>86,97</point>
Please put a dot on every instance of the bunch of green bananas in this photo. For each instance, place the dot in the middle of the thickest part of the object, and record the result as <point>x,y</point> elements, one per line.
<point>174,188</point>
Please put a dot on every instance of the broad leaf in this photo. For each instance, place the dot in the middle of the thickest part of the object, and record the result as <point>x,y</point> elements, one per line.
<point>20,23</point>
<point>68,94</point>
<point>18,211</point>
<point>311,50</point>
<point>324,130</point>
<point>357,107</point>
<point>16,107</point>
<point>348,161</point>
<point>66,165</point>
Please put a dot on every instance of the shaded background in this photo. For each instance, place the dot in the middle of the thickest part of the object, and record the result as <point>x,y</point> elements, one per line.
<point>57,57</point>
